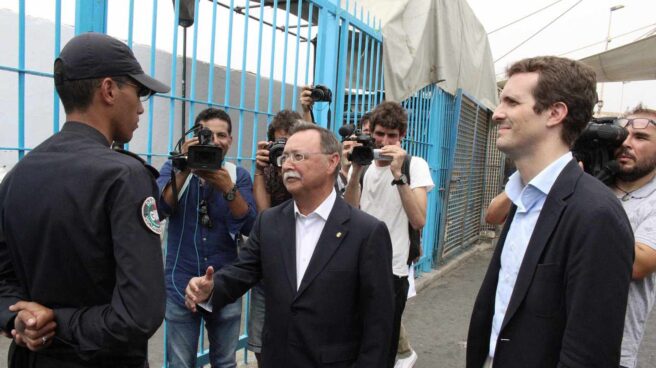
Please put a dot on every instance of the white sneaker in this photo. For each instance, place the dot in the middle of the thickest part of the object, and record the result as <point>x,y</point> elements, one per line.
<point>408,362</point>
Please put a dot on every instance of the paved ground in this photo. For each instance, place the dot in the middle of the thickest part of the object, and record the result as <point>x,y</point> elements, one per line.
<point>437,319</point>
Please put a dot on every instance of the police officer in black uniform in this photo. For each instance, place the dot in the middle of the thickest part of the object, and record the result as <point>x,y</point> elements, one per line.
<point>81,278</point>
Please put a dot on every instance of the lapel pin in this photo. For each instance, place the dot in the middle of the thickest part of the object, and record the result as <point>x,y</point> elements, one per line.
<point>339,234</point>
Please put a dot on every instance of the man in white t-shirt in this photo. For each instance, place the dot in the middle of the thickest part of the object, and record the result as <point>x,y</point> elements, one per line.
<point>387,194</point>
<point>636,187</point>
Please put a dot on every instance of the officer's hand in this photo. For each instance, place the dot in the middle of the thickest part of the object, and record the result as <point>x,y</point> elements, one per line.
<point>262,155</point>
<point>219,179</point>
<point>189,142</point>
<point>398,155</point>
<point>199,289</point>
<point>34,325</point>
<point>306,98</point>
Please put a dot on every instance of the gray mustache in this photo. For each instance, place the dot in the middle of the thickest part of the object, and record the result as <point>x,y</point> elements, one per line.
<point>290,174</point>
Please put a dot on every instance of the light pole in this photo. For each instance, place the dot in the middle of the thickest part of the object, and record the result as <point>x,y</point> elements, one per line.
<point>600,103</point>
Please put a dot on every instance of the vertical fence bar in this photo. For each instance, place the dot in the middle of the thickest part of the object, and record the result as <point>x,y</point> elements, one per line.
<point>130,22</point>
<point>130,29</point>
<point>341,72</point>
<point>357,78</point>
<point>299,9</point>
<point>256,103</point>
<point>273,60</point>
<point>151,102</point>
<point>309,44</point>
<point>350,86</point>
<point>378,72</point>
<point>210,79</point>
<point>55,97</point>
<point>242,87</point>
<point>21,79</point>
<point>90,16</point>
<point>194,62</point>
<point>374,44</point>
<point>174,67</point>
<point>326,60</point>
<point>229,57</point>
<point>363,108</point>
<point>283,90</point>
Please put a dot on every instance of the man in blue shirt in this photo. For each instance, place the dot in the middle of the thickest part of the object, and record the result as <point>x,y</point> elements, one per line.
<point>211,209</point>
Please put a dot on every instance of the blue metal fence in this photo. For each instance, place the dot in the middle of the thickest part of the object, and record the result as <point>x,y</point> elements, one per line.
<point>250,58</point>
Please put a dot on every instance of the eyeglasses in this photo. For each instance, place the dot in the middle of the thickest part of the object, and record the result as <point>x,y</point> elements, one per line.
<point>637,123</point>
<point>296,156</point>
<point>143,92</point>
<point>204,215</point>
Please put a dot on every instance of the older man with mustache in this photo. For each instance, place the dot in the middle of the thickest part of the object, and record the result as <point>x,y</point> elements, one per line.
<point>326,267</point>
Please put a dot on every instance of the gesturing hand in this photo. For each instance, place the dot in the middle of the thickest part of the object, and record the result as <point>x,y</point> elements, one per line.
<point>199,289</point>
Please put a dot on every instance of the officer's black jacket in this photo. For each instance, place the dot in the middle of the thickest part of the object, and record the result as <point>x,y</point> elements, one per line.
<point>73,238</point>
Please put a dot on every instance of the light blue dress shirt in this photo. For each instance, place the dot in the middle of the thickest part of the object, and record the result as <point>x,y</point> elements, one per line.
<point>529,200</point>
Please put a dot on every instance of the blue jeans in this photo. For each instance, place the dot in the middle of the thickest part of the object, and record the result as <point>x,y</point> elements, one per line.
<point>183,329</point>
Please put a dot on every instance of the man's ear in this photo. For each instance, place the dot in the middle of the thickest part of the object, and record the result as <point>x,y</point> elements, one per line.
<point>557,114</point>
<point>106,91</point>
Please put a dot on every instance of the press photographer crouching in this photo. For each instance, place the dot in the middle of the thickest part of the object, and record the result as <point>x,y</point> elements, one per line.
<point>269,191</point>
<point>635,186</point>
<point>209,203</point>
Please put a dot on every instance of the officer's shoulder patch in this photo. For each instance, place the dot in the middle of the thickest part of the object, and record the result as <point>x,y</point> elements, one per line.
<point>149,215</point>
<point>151,169</point>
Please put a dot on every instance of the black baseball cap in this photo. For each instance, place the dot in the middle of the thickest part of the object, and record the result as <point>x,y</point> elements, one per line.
<point>97,55</point>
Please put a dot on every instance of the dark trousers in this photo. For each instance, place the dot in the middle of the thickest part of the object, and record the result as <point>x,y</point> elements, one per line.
<point>401,286</point>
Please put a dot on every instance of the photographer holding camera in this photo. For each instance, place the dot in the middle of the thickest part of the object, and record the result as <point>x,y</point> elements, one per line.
<point>206,216</point>
<point>388,195</point>
<point>310,95</point>
<point>635,186</point>
<point>269,191</point>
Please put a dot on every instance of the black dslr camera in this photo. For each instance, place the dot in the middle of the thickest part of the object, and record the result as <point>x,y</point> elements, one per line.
<point>321,94</point>
<point>275,150</point>
<point>596,146</point>
<point>204,155</point>
<point>361,155</point>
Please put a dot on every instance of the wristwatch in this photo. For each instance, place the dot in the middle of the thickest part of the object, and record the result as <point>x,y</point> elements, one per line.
<point>402,180</point>
<point>231,194</point>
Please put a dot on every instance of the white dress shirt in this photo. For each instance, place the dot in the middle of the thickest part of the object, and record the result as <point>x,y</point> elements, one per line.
<point>308,231</point>
<point>529,200</point>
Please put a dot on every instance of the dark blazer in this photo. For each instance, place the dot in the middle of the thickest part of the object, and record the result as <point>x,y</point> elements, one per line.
<point>341,316</point>
<point>567,307</point>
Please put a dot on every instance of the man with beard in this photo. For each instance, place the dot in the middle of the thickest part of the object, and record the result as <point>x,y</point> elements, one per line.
<point>635,186</point>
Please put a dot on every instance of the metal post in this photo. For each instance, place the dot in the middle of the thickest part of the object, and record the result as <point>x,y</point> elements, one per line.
<point>600,103</point>
<point>90,16</point>
<point>326,59</point>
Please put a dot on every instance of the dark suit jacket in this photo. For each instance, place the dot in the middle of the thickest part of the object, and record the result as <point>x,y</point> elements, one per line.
<point>567,307</point>
<point>341,316</point>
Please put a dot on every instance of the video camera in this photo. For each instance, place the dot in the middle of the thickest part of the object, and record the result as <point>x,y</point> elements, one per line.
<point>596,146</point>
<point>362,155</point>
<point>204,155</point>
<point>275,150</point>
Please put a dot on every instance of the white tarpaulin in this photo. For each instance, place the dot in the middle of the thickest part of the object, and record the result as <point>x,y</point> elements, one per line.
<point>434,41</point>
<point>633,62</point>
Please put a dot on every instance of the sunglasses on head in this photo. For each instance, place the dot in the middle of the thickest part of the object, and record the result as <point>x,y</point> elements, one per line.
<point>204,215</point>
<point>636,123</point>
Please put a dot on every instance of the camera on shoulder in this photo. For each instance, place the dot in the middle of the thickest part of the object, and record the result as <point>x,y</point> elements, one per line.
<point>203,156</point>
<point>596,146</point>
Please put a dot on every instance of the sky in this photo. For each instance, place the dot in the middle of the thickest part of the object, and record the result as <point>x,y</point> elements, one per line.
<point>585,24</point>
<point>580,23</point>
